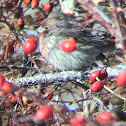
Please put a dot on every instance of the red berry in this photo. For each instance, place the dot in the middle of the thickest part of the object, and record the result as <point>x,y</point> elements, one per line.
<point>105,117</point>
<point>27,2</point>
<point>10,48</point>
<point>6,87</point>
<point>36,26</point>
<point>30,46</point>
<point>1,80</point>
<point>48,6</point>
<point>44,112</point>
<point>100,74</point>
<point>49,94</point>
<point>13,98</point>
<point>121,79</point>
<point>94,75</point>
<point>41,18</point>
<point>69,14</point>
<point>97,86</point>
<point>87,16</point>
<point>6,105</point>
<point>34,3</point>
<point>69,45</point>
<point>78,120</point>
<point>20,22</point>
<point>103,74</point>
<point>2,93</point>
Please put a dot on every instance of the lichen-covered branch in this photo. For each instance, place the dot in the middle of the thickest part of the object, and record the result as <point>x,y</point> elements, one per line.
<point>64,76</point>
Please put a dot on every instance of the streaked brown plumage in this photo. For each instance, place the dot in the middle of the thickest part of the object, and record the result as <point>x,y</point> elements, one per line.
<point>59,27</point>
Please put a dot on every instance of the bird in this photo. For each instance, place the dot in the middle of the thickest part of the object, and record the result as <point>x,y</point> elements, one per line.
<point>59,27</point>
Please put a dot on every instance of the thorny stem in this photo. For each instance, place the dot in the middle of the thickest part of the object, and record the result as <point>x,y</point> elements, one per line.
<point>35,65</point>
<point>112,92</point>
<point>19,3</point>
<point>85,104</point>
<point>2,11</point>
<point>102,18</point>
<point>4,21</point>
<point>4,99</point>
<point>116,19</point>
<point>71,102</point>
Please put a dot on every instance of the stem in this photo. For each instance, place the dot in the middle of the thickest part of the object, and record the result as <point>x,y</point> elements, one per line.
<point>112,92</point>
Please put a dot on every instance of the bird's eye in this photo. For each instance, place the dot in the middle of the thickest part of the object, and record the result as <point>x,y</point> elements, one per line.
<point>46,27</point>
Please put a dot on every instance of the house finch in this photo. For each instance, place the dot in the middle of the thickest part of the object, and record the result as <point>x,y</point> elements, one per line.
<point>60,27</point>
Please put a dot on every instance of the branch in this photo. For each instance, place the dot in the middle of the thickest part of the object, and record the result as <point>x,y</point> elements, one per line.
<point>51,78</point>
<point>116,18</point>
<point>65,76</point>
<point>102,18</point>
<point>112,92</point>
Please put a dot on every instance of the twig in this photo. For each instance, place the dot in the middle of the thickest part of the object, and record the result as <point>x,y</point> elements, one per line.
<point>116,19</point>
<point>112,92</point>
<point>70,102</point>
<point>101,17</point>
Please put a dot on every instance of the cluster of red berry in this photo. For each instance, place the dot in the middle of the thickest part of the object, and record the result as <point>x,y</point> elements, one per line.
<point>98,79</point>
<point>6,88</point>
<point>34,3</point>
<point>105,117</point>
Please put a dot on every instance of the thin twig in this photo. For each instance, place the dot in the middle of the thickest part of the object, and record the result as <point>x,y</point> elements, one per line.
<point>101,17</point>
<point>112,92</point>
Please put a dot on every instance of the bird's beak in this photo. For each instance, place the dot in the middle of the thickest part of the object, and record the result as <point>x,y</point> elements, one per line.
<point>40,29</point>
